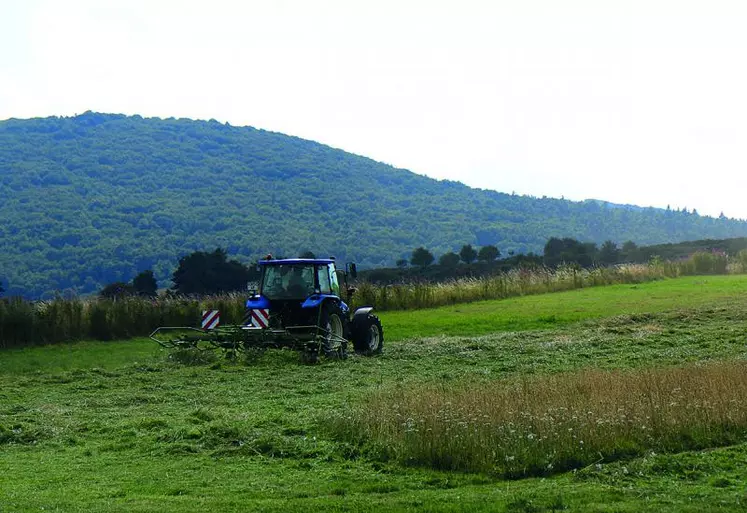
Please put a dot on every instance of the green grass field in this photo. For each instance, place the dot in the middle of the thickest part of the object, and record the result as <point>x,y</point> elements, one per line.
<point>561,308</point>
<point>118,426</point>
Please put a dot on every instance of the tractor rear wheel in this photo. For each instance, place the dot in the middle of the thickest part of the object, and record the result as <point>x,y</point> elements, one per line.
<point>368,337</point>
<point>334,326</point>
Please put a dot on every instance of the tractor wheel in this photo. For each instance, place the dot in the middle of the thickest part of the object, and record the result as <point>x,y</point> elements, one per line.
<point>368,337</point>
<point>335,331</point>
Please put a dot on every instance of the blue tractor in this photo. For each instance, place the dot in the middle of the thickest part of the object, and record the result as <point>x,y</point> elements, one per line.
<point>301,304</point>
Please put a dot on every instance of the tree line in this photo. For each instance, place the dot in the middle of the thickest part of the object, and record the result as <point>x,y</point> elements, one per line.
<point>203,273</point>
<point>199,273</point>
<point>556,251</point>
<point>421,257</point>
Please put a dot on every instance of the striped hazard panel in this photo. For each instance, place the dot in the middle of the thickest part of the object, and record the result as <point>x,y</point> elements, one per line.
<point>210,319</point>
<point>260,317</point>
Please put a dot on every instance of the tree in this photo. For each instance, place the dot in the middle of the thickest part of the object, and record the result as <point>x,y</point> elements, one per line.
<point>402,263</point>
<point>117,290</point>
<point>629,246</point>
<point>488,253</point>
<point>307,254</point>
<point>467,254</point>
<point>421,257</point>
<point>629,251</point>
<point>553,250</point>
<point>587,253</point>
<point>145,284</point>
<point>609,254</point>
<point>569,251</point>
<point>449,259</point>
<point>210,273</point>
<point>1,288</point>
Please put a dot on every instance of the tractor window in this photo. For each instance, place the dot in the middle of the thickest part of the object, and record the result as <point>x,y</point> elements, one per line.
<point>335,284</point>
<point>324,285</point>
<point>288,281</point>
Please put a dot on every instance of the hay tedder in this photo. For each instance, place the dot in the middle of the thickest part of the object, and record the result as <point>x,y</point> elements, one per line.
<point>299,305</point>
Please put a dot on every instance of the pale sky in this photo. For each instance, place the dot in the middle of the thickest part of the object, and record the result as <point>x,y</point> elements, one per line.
<point>641,102</point>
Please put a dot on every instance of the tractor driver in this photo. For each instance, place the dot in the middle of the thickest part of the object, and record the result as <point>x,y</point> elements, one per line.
<point>298,285</point>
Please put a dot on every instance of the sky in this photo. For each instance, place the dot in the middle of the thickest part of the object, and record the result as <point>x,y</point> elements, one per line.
<point>640,102</point>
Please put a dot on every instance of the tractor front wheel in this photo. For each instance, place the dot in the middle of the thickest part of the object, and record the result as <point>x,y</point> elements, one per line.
<point>368,337</point>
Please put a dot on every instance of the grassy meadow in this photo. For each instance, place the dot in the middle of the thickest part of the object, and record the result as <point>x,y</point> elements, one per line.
<point>472,407</point>
<point>543,425</point>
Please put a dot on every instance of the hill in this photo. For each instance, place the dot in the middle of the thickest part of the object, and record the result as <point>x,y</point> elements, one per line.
<point>96,198</point>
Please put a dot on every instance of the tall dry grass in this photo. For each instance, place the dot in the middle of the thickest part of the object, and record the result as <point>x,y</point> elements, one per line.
<point>518,282</point>
<point>738,264</point>
<point>24,323</point>
<point>541,425</point>
<point>540,280</point>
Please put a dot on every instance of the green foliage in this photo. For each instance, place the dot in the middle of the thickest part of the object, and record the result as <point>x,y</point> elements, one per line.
<point>449,259</point>
<point>729,247</point>
<point>488,253</point>
<point>629,247</point>
<point>117,290</point>
<point>154,190</point>
<point>467,254</point>
<point>707,263</point>
<point>450,271</point>
<point>569,251</point>
<point>609,254</point>
<point>421,257</point>
<point>210,273</point>
<point>145,284</point>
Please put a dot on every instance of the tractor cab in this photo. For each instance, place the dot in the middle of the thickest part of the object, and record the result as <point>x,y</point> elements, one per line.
<point>296,292</point>
<point>298,279</point>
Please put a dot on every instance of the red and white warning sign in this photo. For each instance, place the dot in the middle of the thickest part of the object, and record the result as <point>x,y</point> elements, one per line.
<point>210,319</point>
<point>261,317</point>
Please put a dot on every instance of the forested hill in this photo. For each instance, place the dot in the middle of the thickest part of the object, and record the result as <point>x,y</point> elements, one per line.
<point>95,198</point>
